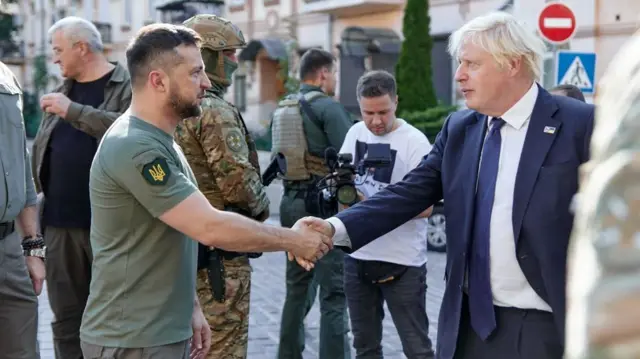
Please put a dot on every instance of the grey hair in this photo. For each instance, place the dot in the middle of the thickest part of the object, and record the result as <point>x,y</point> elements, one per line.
<point>501,35</point>
<point>78,29</point>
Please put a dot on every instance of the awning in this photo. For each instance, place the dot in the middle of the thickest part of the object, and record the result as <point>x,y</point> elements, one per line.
<point>363,41</point>
<point>174,5</point>
<point>275,49</point>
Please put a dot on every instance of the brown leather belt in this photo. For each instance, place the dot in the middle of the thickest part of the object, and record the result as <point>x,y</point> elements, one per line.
<point>6,228</point>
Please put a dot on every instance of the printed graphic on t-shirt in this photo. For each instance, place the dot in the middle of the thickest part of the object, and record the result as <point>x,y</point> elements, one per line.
<point>406,244</point>
<point>376,178</point>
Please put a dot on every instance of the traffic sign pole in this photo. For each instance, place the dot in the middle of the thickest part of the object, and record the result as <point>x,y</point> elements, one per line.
<point>556,25</point>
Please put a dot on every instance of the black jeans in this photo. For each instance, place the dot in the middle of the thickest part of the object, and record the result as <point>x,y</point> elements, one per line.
<point>405,298</point>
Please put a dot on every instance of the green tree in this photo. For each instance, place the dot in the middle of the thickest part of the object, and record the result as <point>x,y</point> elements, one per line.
<point>287,71</point>
<point>413,70</point>
<point>9,47</point>
<point>8,30</point>
<point>31,109</point>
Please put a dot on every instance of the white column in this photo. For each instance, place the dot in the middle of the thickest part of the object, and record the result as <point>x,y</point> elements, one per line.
<point>88,9</point>
<point>103,11</point>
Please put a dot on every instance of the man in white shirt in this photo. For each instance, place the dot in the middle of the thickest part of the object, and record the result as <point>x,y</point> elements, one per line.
<point>392,268</point>
<point>507,169</point>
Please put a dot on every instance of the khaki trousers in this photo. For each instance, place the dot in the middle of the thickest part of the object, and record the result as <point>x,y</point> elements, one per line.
<point>178,350</point>
<point>18,303</point>
<point>68,266</point>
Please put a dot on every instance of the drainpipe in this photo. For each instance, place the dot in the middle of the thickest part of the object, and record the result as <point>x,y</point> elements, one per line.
<point>43,18</point>
<point>250,25</point>
<point>295,18</point>
<point>330,30</point>
<point>331,49</point>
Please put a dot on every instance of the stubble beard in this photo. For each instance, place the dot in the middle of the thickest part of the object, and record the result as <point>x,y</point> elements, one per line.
<point>182,108</point>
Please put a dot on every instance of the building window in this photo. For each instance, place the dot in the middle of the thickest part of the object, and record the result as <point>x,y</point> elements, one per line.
<point>240,92</point>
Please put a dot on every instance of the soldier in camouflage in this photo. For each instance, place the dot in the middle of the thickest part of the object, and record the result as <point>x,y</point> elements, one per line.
<point>224,160</point>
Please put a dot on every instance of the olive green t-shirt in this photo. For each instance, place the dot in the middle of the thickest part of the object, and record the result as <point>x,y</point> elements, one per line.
<point>144,272</point>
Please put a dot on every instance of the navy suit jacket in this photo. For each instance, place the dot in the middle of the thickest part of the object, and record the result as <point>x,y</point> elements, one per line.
<point>546,181</point>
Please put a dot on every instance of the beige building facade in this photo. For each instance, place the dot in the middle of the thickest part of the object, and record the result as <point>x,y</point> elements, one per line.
<point>117,21</point>
<point>330,24</point>
<point>363,34</point>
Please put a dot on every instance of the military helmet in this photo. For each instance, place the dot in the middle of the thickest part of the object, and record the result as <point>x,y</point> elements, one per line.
<point>217,33</point>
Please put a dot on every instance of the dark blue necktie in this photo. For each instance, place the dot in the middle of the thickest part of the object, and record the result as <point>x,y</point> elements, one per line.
<point>483,319</point>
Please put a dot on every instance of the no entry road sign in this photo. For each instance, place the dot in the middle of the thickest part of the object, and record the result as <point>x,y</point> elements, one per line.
<point>557,23</point>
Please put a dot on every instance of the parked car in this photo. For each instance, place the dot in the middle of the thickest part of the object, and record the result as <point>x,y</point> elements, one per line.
<point>436,229</point>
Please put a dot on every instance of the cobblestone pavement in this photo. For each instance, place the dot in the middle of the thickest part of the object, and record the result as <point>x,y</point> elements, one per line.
<point>267,297</point>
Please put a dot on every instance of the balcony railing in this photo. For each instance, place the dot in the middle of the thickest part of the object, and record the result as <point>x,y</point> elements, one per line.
<point>177,11</point>
<point>105,31</point>
<point>350,7</point>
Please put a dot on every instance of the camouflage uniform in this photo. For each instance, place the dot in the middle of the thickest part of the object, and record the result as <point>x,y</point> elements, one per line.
<point>225,162</point>
<point>603,290</point>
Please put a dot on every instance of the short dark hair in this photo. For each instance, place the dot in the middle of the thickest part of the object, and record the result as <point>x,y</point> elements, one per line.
<point>375,84</point>
<point>155,46</point>
<point>570,91</point>
<point>313,60</point>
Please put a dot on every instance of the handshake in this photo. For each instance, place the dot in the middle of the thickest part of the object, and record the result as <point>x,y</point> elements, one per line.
<point>315,240</point>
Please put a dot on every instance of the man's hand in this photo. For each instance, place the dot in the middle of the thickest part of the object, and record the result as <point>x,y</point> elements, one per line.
<point>35,266</point>
<point>55,103</point>
<point>319,225</point>
<point>314,243</point>
<point>201,340</point>
<point>319,230</point>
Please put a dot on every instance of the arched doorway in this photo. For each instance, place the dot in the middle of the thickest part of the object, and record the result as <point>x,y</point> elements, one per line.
<point>363,49</point>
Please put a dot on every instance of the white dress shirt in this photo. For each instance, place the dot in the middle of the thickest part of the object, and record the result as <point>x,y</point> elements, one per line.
<point>508,283</point>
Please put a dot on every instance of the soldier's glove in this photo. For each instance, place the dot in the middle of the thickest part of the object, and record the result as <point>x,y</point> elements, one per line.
<point>215,270</point>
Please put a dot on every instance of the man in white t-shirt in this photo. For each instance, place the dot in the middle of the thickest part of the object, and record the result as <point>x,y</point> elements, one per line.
<point>392,268</point>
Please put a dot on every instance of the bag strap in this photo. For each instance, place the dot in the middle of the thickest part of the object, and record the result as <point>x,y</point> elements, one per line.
<point>305,105</point>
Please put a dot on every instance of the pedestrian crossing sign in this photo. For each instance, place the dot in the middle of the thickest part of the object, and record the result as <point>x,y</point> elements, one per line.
<point>576,68</point>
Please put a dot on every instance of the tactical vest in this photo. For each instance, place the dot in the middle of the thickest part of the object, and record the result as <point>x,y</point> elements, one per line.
<point>288,137</point>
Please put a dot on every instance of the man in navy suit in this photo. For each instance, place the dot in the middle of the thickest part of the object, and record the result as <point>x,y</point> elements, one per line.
<point>507,169</point>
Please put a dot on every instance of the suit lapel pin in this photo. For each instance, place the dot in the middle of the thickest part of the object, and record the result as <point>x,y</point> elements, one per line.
<point>550,130</point>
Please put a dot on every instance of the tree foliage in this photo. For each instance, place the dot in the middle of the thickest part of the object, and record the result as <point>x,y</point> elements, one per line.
<point>413,70</point>
<point>287,70</point>
<point>8,30</point>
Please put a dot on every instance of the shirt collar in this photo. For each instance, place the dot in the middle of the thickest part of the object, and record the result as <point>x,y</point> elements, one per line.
<point>519,113</point>
<point>308,88</point>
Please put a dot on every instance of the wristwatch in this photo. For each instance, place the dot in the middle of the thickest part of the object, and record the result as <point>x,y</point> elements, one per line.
<point>34,247</point>
<point>36,252</point>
